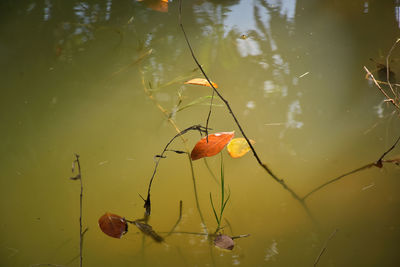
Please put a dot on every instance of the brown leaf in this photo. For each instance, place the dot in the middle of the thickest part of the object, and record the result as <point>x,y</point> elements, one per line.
<point>216,142</point>
<point>113,225</point>
<point>224,242</point>
<point>201,81</point>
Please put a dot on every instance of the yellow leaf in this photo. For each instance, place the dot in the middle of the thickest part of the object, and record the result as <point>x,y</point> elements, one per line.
<point>201,81</point>
<point>238,147</point>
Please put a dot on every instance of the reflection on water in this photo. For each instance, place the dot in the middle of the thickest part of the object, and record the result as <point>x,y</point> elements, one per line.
<point>272,251</point>
<point>80,77</point>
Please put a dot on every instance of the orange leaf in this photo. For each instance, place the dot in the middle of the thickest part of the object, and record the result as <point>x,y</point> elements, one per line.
<point>113,225</point>
<point>238,147</point>
<point>201,81</point>
<point>216,142</point>
<point>157,5</point>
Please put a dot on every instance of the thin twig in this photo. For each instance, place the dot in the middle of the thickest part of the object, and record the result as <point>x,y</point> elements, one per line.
<point>380,82</point>
<point>240,236</point>
<point>209,111</point>
<point>147,204</point>
<point>388,70</point>
<point>378,163</point>
<point>388,98</point>
<point>81,232</point>
<point>47,264</point>
<point>205,234</point>
<point>324,247</point>
<point>188,233</point>
<point>369,165</point>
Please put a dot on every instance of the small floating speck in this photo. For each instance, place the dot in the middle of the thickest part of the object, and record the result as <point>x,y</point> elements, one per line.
<point>304,74</point>
<point>368,186</point>
<point>275,123</point>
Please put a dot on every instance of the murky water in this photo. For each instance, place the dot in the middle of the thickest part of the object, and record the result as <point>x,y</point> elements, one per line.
<point>74,75</point>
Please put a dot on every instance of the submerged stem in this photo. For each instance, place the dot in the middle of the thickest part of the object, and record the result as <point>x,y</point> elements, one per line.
<point>196,196</point>
<point>178,221</point>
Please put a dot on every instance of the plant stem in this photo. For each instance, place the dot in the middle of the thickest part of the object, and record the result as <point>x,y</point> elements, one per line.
<point>222,194</point>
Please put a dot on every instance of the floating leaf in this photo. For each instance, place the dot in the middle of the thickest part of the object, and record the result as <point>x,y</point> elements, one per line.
<point>216,142</point>
<point>157,5</point>
<point>113,225</point>
<point>201,81</point>
<point>238,147</point>
<point>148,230</point>
<point>224,242</point>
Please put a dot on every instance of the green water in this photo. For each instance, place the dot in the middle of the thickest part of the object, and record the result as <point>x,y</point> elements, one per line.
<point>72,75</point>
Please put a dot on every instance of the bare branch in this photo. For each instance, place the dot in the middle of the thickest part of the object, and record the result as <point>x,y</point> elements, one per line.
<point>388,98</point>
<point>378,163</point>
<point>388,69</point>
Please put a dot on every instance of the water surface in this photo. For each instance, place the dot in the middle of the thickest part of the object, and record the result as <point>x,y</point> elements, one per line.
<point>73,80</point>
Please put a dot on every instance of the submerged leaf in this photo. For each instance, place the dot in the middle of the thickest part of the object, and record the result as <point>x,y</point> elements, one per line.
<point>224,242</point>
<point>148,230</point>
<point>238,147</point>
<point>201,81</point>
<point>113,225</point>
<point>216,142</point>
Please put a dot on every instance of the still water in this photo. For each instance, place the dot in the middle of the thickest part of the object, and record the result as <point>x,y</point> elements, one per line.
<point>74,80</point>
